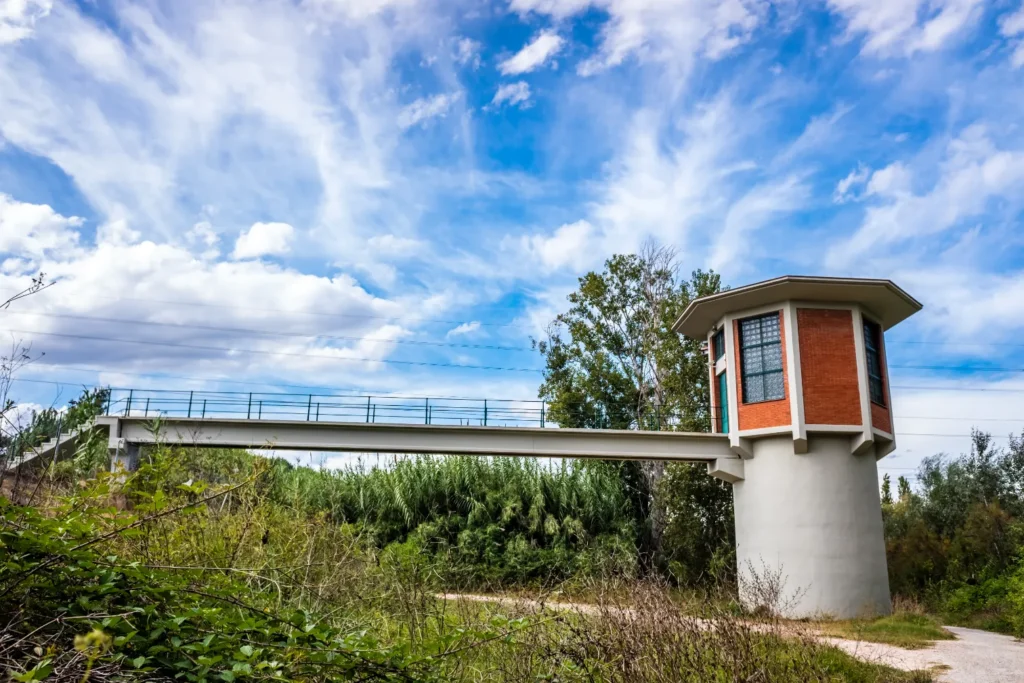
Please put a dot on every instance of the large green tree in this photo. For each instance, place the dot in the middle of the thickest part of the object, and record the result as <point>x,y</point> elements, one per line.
<point>613,361</point>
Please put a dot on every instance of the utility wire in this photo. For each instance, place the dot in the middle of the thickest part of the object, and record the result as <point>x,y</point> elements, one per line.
<point>201,347</point>
<point>241,330</point>
<point>361,316</point>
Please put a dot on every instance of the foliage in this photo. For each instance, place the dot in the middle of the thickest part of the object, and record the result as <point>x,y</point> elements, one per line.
<point>159,576</point>
<point>613,361</point>
<point>61,581</point>
<point>958,541</point>
<point>485,521</point>
<point>906,630</point>
<point>48,423</point>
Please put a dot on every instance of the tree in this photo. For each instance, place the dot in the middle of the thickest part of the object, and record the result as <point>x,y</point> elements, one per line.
<point>904,488</point>
<point>613,361</point>
<point>886,490</point>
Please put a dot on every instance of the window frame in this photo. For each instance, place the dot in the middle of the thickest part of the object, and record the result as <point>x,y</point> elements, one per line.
<point>760,348</point>
<point>873,352</point>
<point>718,345</point>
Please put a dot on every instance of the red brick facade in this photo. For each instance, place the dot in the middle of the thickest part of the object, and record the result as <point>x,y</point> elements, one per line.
<point>828,367</point>
<point>767,413</point>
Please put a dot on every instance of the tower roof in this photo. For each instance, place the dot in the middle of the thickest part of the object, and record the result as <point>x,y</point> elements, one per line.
<point>882,298</point>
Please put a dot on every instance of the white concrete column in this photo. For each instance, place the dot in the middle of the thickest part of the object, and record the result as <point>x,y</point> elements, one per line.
<point>816,520</point>
<point>125,456</point>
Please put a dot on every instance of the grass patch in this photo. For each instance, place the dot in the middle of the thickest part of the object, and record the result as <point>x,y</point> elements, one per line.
<point>911,631</point>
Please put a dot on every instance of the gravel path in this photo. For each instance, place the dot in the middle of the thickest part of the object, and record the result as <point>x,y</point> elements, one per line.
<point>974,657</point>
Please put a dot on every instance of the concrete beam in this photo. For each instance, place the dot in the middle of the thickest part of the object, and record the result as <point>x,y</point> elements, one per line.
<point>406,438</point>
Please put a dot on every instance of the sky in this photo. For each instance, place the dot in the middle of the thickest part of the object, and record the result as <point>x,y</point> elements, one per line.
<point>395,196</point>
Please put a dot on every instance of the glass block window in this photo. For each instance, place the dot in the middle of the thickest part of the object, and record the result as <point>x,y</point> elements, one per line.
<point>761,359</point>
<point>872,346</point>
<point>718,342</point>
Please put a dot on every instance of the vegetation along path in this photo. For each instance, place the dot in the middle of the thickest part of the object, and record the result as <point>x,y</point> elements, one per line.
<point>975,656</point>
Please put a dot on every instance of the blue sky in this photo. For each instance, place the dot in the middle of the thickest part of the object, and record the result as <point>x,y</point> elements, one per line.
<point>394,171</point>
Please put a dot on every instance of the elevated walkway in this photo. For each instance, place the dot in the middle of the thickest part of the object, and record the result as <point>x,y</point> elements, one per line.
<point>214,432</point>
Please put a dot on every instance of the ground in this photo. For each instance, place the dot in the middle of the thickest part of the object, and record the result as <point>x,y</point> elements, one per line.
<point>970,656</point>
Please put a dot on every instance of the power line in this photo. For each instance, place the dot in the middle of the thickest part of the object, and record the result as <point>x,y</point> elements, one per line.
<point>241,330</point>
<point>201,347</point>
<point>361,316</point>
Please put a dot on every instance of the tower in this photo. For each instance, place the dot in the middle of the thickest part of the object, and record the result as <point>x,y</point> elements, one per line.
<point>799,383</point>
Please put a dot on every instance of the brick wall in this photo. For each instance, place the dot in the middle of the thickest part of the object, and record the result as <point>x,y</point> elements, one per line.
<point>767,413</point>
<point>828,367</point>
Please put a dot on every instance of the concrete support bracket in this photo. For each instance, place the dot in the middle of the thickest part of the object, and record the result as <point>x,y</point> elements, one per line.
<point>741,447</point>
<point>726,469</point>
<point>862,442</point>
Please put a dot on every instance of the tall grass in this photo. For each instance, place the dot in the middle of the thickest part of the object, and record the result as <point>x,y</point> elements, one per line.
<point>490,520</point>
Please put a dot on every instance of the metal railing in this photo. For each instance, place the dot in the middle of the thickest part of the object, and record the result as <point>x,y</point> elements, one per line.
<point>325,408</point>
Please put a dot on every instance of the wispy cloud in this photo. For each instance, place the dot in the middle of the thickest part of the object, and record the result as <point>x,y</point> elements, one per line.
<point>464,329</point>
<point>513,94</point>
<point>534,54</point>
<point>426,108</point>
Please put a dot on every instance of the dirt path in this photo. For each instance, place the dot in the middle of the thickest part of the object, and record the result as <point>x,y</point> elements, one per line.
<point>974,657</point>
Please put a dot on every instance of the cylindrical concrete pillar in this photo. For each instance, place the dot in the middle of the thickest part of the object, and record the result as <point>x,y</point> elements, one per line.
<point>812,520</point>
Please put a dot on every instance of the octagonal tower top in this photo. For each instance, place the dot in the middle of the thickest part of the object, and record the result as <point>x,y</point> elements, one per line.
<point>888,303</point>
<point>800,355</point>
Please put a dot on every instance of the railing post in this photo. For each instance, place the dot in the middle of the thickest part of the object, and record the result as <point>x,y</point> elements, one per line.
<point>426,411</point>
<point>248,411</point>
<point>260,415</point>
<point>190,403</point>
<point>128,406</point>
<point>146,414</point>
<point>542,404</point>
<point>309,407</point>
<point>374,418</point>
<point>318,411</point>
<point>368,408</point>
<point>485,412</point>
<point>204,408</point>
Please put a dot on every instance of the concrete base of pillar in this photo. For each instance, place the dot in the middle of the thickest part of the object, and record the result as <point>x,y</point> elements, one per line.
<point>125,457</point>
<point>809,530</point>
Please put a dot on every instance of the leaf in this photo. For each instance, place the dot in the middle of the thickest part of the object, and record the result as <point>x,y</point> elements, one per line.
<point>139,662</point>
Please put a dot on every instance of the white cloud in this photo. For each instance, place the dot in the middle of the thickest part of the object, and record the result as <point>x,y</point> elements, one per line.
<point>672,31</point>
<point>1012,25</point>
<point>569,247</point>
<point>844,191</point>
<point>907,26</point>
<point>170,287</point>
<point>285,109</point>
<point>512,93</point>
<point>264,239</point>
<point>426,108</point>
<point>391,245</point>
<point>118,233</point>
<point>751,212</point>
<point>202,235</point>
<point>972,174</point>
<point>661,189</point>
<point>467,52</point>
<point>535,54</point>
<point>463,329</point>
<point>35,231</point>
<point>17,17</point>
